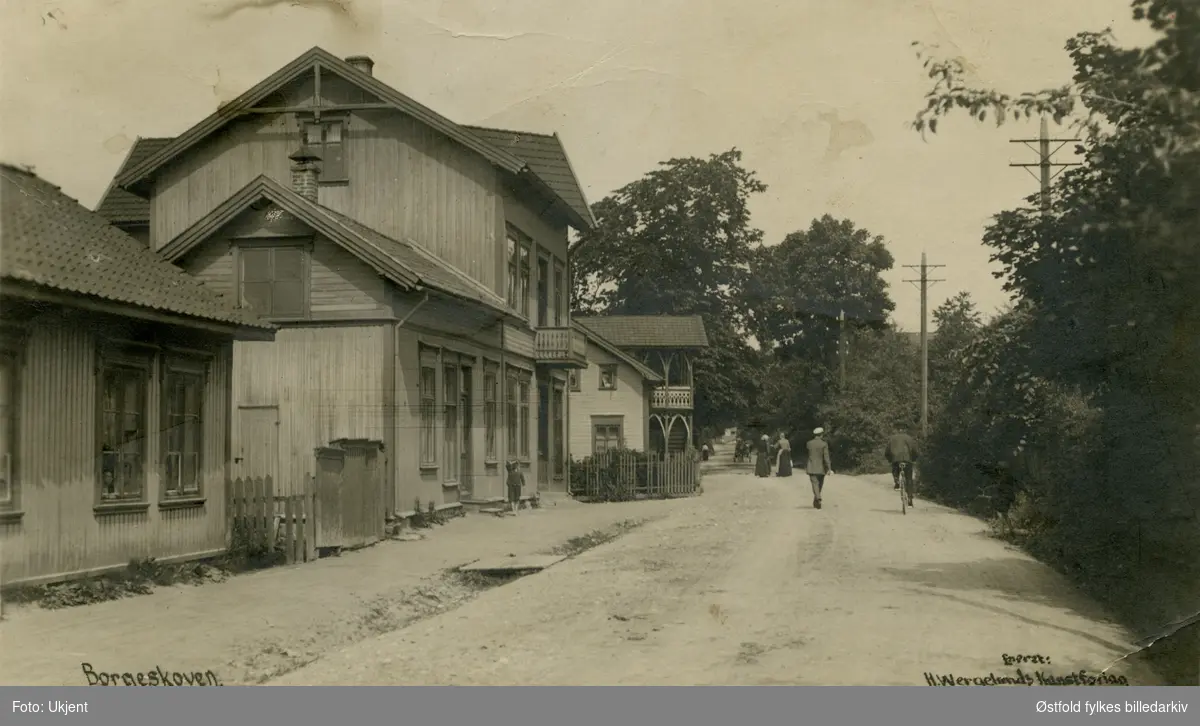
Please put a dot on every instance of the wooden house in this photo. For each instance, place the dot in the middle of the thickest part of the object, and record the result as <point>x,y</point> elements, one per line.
<point>417,269</point>
<point>115,404</point>
<point>667,345</point>
<point>610,399</point>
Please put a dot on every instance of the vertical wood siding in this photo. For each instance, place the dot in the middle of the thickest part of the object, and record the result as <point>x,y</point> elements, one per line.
<point>340,283</point>
<point>544,229</point>
<point>60,534</point>
<point>629,401</point>
<point>442,325</point>
<point>405,180</point>
<point>328,382</point>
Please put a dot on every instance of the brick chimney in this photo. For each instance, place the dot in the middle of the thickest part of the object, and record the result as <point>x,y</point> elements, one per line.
<point>362,63</point>
<point>306,171</point>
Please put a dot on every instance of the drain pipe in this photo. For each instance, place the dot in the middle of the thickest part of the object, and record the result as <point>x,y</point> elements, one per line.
<point>396,355</point>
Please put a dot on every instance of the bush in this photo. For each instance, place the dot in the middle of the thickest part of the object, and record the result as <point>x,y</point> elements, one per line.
<point>615,476</point>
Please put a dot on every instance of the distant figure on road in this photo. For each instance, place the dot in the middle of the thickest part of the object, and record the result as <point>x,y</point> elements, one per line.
<point>819,464</point>
<point>762,458</point>
<point>704,452</point>
<point>784,467</point>
<point>901,452</point>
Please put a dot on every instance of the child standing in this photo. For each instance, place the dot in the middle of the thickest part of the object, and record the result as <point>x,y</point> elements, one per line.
<point>516,483</point>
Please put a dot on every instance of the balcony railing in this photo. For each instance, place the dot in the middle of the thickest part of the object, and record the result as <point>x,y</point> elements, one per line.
<point>561,347</point>
<point>672,398</point>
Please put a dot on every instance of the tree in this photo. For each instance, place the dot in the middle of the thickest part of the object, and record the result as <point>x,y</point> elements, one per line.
<point>957,322</point>
<point>800,287</point>
<point>880,397</point>
<point>678,242</point>
<point>1108,276</point>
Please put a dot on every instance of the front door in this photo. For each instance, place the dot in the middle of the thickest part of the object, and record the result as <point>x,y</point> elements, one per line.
<point>466,480</point>
<point>543,428</point>
<point>558,445</point>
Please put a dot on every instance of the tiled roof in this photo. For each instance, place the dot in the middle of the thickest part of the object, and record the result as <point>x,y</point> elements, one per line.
<point>546,158</point>
<point>53,241</point>
<point>604,343</point>
<point>649,331</point>
<point>119,206</point>
<point>431,270</point>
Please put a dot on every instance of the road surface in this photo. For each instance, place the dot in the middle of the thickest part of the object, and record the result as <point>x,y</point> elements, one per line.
<point>748,585</point>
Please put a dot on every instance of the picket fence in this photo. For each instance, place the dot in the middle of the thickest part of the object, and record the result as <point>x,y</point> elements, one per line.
<point>618,475</point>
<point>286,524</point>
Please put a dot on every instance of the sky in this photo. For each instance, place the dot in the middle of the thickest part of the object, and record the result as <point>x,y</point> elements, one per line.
<point>818,94</point>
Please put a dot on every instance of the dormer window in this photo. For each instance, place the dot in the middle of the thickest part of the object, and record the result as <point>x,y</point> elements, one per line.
<point>326,138</point>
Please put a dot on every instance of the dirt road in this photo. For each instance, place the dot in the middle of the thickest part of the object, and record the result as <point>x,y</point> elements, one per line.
<point>749,585</point>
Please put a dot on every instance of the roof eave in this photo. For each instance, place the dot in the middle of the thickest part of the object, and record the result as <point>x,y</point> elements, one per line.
<point>24,289</point>
<point>136,179</point>
<point>112,184</point>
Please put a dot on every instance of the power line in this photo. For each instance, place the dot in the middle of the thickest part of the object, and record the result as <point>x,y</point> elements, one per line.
<point>923,284</point>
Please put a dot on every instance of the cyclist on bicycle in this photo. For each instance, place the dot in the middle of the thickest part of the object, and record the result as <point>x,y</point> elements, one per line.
<point>901,452</point>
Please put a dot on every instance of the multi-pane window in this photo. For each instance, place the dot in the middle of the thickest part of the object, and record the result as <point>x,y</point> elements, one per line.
<point>326,139</point>
<point>183,417</point>
<point>606,436</point>
<point>524,414</point>
<point>123,388</point>
<point>514,264</point>
<point>574,379</point>
<point>450,422</point>
<point>512,411</point>
<point>428,413</point>
<point>543,292</point>
<point>8,430</point>
<point>272,281</point>
<point>560,299</point>
<point>520,252</point>
<point>491,389</point>
<point>608,377</point>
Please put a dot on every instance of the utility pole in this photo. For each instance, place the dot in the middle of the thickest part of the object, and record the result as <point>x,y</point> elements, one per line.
<point>923,284</point>
<point>1044,163</point>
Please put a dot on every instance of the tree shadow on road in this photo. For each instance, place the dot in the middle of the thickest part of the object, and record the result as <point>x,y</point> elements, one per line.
<point>1013,579</point>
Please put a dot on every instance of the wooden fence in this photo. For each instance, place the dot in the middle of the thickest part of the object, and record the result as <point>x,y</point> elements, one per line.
<point>624,475</point>
<point>263,521</point>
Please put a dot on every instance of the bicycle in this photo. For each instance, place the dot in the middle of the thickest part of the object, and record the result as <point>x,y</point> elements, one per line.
<point>906,486</point>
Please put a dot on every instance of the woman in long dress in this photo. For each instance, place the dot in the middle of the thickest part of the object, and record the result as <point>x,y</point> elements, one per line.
<point>784,467</point>
<point>762,459</point>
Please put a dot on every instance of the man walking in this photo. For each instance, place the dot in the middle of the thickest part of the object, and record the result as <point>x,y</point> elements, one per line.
<point>901,452</point>
<point>818,464</point>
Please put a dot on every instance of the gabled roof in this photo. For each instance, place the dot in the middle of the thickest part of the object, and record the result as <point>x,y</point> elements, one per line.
<point>546,157</point>
<point>400,262</point>
<point>122,207</point>
<point>647,372</point>
<point>292,71</point>
<point>52,241</point>
<point>649,331</point>
<point>136,174</point>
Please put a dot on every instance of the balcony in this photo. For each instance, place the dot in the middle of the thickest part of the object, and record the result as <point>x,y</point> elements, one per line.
<point>561,348</point>
<point>672,398</point>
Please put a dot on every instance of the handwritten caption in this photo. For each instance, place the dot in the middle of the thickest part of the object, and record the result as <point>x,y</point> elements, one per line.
<point>154,677</point>
<point>1027,674</point>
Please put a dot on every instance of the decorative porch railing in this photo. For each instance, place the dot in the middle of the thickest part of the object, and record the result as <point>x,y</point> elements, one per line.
<point>675,398</point>
<point>563,346</point>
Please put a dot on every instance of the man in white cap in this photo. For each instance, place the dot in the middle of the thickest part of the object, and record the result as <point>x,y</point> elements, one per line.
<point>818,463</point>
